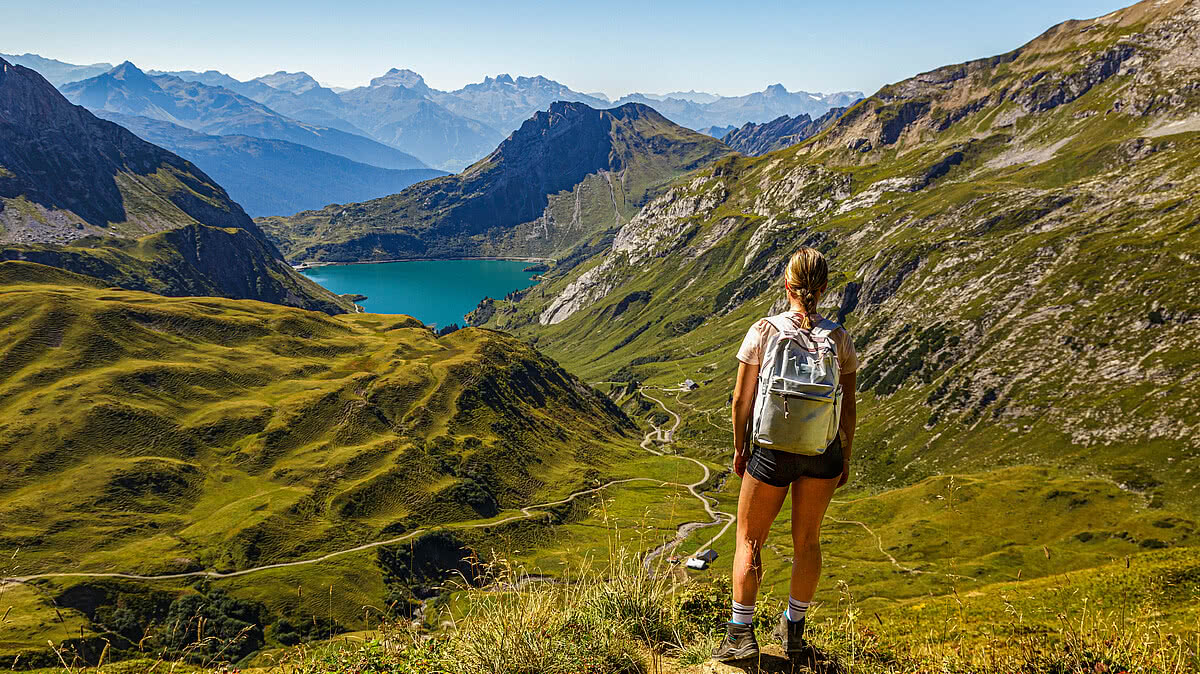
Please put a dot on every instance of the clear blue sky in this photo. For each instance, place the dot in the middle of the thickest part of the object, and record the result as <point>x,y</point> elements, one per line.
<point>614,46</point>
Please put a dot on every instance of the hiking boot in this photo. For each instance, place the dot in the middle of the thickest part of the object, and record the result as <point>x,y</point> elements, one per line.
<point>739,643</point>
<point>790,634</point>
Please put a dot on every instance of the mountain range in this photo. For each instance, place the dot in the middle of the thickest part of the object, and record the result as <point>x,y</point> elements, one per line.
<point>447,130</point>
<point>270,177</point>
<point>761,106</point>
<point>88,196</point>
<point>215,110</point>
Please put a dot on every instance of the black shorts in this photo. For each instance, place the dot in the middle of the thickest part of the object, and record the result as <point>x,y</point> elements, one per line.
<point>780,469</point>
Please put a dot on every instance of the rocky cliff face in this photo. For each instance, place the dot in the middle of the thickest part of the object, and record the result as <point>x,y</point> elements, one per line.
<point>87,195</point>
<point>1150,49</point>
<point>1019,280</point>
<point>568,173</point>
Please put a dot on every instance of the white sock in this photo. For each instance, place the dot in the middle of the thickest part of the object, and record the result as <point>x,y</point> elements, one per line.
<point>796,609</point>
<point>743,614</point>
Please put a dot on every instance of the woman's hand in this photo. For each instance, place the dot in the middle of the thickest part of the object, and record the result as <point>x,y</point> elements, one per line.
<point>845,473</point>
<point>739,462</point>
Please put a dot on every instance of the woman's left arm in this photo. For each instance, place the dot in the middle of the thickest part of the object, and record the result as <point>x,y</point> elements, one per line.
<point>743,406</point>
<point>848,421</point>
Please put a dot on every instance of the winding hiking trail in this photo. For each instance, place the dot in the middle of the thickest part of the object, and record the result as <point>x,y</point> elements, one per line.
<point>526,512</point>
<point>686,528</point>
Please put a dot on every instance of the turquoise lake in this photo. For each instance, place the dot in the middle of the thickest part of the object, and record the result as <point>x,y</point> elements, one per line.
<point>437,292</point>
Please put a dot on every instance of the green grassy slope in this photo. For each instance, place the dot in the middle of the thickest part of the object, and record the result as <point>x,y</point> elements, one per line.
<point>567,175</point>
<point>153,435</point>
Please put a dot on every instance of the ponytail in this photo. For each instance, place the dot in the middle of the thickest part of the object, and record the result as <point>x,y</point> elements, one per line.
<point>807,274</point>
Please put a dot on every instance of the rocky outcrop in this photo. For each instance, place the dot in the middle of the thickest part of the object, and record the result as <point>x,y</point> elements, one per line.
<point>665,222</point>
<point>1150,45</point>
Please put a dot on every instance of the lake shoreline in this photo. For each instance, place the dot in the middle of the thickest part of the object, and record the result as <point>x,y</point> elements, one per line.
<point>510,258</point>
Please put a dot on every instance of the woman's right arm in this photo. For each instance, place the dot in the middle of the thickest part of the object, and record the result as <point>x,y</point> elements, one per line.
<point>743,407</point>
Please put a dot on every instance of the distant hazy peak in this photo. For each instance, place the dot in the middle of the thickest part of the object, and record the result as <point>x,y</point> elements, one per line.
<point>132,77</point>
<point>126,70</point>
<point>689,95</point>
<point>400,77</point>
<point>296,83</point>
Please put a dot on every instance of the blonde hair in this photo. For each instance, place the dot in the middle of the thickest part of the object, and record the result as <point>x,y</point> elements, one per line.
<point>806,276</point>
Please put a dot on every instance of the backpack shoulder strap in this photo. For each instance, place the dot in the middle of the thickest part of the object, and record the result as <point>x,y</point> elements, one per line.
<point>822,331</point>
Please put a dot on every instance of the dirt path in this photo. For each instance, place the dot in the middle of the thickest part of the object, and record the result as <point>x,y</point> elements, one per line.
<point>526,513</point>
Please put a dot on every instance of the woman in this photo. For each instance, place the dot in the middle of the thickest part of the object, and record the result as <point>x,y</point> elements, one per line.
<point>768,474</point>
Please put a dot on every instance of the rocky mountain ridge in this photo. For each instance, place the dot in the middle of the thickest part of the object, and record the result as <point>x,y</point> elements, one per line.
<point>215,110</point>
<point>568,174</point>
<point>783,131</point>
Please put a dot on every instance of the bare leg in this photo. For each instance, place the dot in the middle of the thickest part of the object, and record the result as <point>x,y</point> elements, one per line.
<point>810,498</point>
<point>758,504</point>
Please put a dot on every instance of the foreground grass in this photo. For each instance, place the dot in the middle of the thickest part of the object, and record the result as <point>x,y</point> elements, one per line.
<point>1136,616</point>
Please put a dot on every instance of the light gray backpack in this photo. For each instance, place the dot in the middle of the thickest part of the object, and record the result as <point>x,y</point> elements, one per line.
<point>799,400</point>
